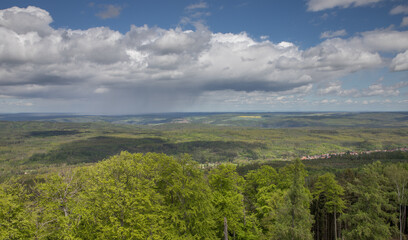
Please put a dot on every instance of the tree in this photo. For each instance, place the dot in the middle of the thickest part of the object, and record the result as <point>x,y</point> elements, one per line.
<point>122,201</point>
<point>16,221</point>
<point>371,215</point>
<point>187,197</point>
<point>329,193</point>
<point>57,203</point>
<point>260,180</point>
<point>262,196</point>
<point>398,175</point>
<point>151,196</point>
<point>294,220</point>
<point>227,187</point>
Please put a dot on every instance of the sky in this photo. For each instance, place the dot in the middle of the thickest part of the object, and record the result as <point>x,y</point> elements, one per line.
<point>152,56</point>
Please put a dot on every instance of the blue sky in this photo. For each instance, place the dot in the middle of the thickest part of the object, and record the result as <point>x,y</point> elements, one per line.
<point>128,57</point>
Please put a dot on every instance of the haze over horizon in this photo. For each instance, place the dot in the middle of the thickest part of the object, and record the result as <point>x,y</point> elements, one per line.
<point>127,57</point>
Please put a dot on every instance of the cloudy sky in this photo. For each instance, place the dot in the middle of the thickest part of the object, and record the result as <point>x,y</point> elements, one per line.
<point>128,57</point>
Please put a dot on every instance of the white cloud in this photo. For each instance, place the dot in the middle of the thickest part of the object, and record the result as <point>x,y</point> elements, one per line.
<point>199,5</point>
<point>109,11</point>
<point>286,44</point>
<point>335,88</point>
<point>400,62</point>
<point>318,5</point>
<point>400,9</point>
<point>101,90</point>
<point>376,89</point>
<point>384,40</point>
<point>154,67</point>
<point>328,101</point>
<point>26,20</point>
<point>338,55</point>
<point>331,34</point>
<point>380,90</point>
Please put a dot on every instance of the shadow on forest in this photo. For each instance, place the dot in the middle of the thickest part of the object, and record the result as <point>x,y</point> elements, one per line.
<point>52,133</point>
<point>98,148</point>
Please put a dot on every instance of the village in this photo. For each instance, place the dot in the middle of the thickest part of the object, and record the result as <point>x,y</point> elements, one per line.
<point>329,155</point>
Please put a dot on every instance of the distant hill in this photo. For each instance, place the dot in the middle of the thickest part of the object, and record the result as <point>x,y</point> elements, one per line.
<point>241,119</point>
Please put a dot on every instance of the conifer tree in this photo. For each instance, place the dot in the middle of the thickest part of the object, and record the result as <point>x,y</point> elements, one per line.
<point>294,220</point>
<point>371,215</point>
<point>329,193</point>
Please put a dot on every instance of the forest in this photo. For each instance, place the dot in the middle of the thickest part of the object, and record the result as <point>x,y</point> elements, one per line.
<point>101,180</point>
<point>156,196</point>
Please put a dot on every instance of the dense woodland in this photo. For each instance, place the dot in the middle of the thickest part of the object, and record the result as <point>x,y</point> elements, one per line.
<point>155,196</point>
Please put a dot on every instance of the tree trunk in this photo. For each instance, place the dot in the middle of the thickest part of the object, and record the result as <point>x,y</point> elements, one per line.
<point>326,232</point>
<point>293,224</point>
<point>400,218</point>
<point>317,222</point>
<point>404,219</point>
<point>225,228</point>
<point>335,224</point>
<point>341,236</point>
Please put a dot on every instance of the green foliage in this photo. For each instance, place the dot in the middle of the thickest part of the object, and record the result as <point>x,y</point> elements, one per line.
<point>227,187</point>
<point>155,196</point>
<point>122,200</point>
<point>259,183</point>
<point>398,176</point>
<point>187,196</point>
<point>372,215</point>
<point>56,205</point>
<point>16,221</point>
<point>328,201</point>
<point>294,220</point>
<point>330,192</point>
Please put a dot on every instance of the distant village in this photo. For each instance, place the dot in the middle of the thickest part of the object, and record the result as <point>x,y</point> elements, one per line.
<point>329,155</point>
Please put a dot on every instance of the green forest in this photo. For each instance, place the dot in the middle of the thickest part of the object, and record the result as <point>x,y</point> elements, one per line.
<point>103,180</point>
<point>155,196</point>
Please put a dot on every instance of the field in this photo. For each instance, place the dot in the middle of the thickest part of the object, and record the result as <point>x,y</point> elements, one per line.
<point>32,144</point>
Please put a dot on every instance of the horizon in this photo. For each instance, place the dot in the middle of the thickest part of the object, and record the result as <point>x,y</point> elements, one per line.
<point>203,113</point>
<point>134,58</point>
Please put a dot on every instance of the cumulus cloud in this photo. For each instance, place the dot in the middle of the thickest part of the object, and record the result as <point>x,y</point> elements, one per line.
<point>151,67</point>
<point>331,34</point>
<point>319,5</point>
<point>400,62</point>
<point>376,89</point>
<point>26,20</point>
<point>381,90</point>
<point>199,5</point>
<point>335,88</point>
<point>400,9</point>
<point>384,40</point>
<point>109,11</point>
